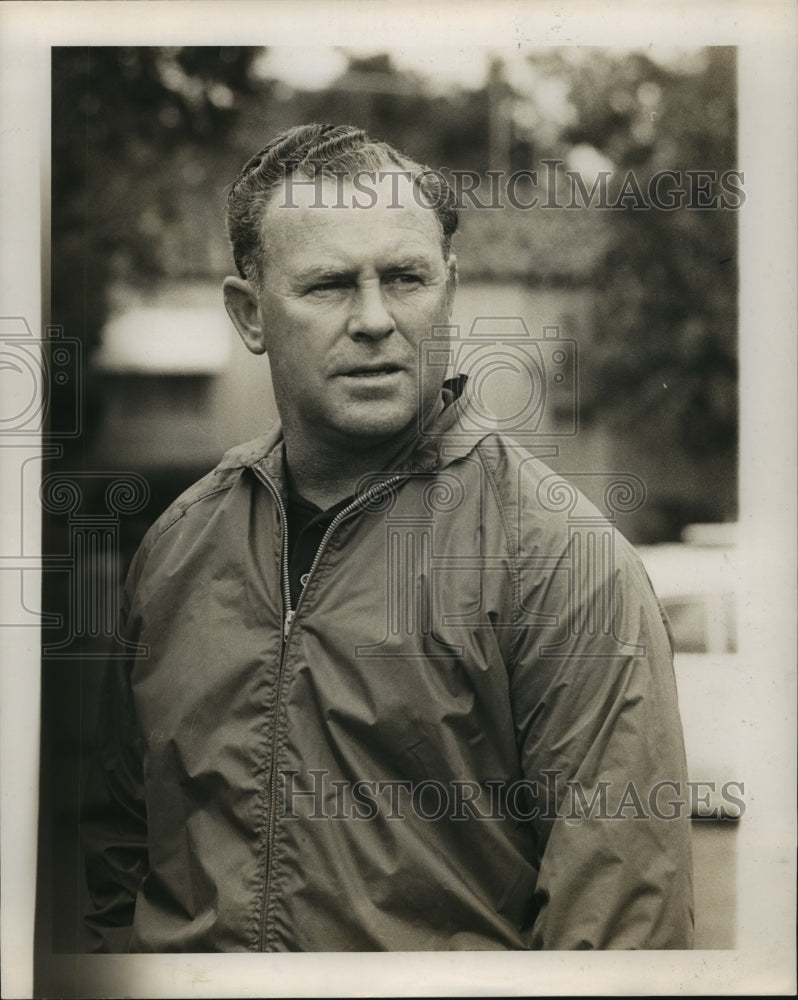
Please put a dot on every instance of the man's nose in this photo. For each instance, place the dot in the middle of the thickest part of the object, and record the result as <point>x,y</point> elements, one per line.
<point>370,317</point>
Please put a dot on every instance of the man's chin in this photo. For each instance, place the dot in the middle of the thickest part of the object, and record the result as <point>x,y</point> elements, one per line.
<point>379,425</point>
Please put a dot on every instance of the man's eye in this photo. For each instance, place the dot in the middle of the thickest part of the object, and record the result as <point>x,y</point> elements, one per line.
<point>326,286</point>
<point>406,278</point>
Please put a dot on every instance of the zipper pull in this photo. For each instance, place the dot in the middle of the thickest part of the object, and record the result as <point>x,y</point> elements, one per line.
<point>289,617</point>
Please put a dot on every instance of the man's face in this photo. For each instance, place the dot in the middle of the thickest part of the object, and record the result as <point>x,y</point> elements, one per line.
<point>347,296</point>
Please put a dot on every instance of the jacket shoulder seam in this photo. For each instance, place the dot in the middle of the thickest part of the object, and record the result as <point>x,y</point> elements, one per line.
<point>184,507</point>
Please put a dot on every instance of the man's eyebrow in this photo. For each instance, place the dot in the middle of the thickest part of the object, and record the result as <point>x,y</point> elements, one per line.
<point>324,272</point>
<point>330,272</point>
<point>412,263</point>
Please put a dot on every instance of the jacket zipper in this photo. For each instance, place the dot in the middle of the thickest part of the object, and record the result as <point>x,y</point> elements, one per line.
<point>289,614</point>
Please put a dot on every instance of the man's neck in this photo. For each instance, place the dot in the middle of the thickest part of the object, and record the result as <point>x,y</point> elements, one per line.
<point>325,477</point>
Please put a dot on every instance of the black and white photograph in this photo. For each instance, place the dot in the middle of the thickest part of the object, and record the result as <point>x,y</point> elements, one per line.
<point>398,447</point>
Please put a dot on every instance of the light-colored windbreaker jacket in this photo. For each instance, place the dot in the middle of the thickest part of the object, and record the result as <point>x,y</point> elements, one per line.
<point>465,736</point>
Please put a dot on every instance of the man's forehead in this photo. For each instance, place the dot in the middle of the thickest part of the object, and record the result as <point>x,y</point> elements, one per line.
<point>389,189</point>
<point>384,186</point>
<point>365,204</point>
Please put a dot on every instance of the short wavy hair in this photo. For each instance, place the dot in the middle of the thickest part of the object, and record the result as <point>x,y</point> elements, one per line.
<point>312,150</point>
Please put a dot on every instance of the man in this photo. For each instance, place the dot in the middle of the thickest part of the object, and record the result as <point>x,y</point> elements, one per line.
<point>369,716</point>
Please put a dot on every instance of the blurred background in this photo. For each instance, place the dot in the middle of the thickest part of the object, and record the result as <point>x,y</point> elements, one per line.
<point>145,143</point>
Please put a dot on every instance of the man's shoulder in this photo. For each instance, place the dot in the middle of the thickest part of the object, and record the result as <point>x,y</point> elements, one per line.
<point>214,484</point>
<point>545,507</point>
<point>524,479</point>
<point>549,519</point>
<point>249,453</point>
<point>223,476</point>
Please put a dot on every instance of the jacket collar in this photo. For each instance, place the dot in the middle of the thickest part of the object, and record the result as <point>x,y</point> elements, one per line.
<point>452,432</point>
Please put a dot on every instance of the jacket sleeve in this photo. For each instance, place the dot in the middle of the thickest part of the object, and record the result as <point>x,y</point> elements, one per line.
<point>601,747</point>
<point>114,817</point>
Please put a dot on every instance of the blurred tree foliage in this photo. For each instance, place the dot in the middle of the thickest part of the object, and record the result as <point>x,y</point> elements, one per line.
<point>130,128</point>
<point>146,139</point>
<point>664,360</point>
<point>396,106</point>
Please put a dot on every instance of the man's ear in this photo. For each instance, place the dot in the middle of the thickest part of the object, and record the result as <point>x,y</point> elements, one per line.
<point>241,303</point>
<point>451,282</point>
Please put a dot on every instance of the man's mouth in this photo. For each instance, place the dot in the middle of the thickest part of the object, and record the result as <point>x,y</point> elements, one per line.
<point>372,371</point>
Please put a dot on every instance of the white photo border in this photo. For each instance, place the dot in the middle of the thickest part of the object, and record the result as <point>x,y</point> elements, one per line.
<point>765,34</point>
